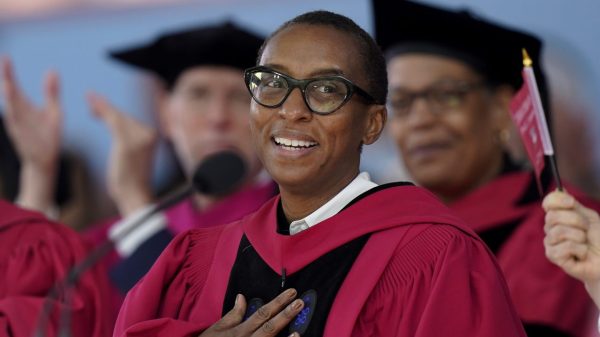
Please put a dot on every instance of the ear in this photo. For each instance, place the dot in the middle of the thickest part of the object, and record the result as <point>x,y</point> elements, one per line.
<point>376,119</point>
<point>507,134</point>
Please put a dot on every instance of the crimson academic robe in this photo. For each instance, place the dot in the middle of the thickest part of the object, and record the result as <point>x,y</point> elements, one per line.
<point>35,254</point>
<point>507,214</point>
<point>421,273</point>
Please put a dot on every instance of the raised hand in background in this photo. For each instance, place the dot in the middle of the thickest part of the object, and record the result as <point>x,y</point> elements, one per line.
<point>35,132</point>
<point>131,157</point>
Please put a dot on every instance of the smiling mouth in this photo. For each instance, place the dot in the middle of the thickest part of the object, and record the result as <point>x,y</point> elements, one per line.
<point>293,144</point>
<point>425,151</point>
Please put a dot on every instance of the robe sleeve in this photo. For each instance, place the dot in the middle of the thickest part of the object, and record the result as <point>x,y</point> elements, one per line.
<point>35,254</point>
<point>468,295</point>
<point>159,303</point>
<point>442,283</point>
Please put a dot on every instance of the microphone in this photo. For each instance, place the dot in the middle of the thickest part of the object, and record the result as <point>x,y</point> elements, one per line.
<point>218,175</point>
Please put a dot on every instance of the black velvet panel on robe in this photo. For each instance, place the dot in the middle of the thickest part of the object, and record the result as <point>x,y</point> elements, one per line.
<point>317,283</point>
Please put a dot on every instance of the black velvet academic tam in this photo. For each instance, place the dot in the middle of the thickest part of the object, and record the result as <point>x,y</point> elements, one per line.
<point>172,53</point>
<point>493,50</point>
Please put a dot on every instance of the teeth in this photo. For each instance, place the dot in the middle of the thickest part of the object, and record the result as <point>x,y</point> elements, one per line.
<point>295,143</point>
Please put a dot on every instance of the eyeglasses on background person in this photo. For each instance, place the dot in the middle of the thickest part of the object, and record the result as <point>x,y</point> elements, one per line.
<point>440,97</point>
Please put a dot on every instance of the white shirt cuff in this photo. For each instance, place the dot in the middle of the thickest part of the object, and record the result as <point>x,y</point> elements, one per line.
<point>138,233</point>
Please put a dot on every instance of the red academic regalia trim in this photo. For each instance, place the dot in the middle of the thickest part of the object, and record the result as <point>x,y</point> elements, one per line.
<point>417,206</point>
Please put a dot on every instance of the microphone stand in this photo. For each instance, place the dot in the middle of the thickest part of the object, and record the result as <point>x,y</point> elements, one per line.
<point>92,258</point>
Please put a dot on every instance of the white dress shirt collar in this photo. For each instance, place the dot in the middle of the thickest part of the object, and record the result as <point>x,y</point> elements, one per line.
<point>358,186</point>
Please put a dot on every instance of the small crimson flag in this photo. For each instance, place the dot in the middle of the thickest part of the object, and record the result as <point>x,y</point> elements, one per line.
<point>528,115</point>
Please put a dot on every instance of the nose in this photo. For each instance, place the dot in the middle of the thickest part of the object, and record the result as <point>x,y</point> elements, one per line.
<point>420,114</point>
<point>219,114</point>
<point>294,107</point>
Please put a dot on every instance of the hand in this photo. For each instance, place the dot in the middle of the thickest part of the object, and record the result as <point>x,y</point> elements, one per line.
<point>573,239</point>
<point>267,321</point>
<point>35,131</point>
<point>36,135</point>
<point>131,156</point>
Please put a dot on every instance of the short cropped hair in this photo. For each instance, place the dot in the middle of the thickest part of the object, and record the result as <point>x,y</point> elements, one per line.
<point>372,58</point>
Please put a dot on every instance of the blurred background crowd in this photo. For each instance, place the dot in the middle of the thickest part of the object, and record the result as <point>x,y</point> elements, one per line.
<point>79,83</point>
<point>74,38</point>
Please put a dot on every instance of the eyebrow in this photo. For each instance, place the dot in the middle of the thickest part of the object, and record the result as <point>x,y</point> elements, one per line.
<point>318,72</point>
<point>439,82</point>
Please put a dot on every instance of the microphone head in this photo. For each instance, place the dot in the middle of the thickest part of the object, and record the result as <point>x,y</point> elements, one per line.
<point>219,174</point>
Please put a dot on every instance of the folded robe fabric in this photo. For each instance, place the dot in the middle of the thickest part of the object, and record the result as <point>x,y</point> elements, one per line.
<point>35,254</point>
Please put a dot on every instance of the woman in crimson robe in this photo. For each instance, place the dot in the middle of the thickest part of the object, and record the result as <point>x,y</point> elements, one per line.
<point>452,77</point>
<point>333,254</point>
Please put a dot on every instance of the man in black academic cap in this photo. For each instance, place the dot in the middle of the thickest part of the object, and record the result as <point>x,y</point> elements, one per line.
<point>451,79</point>
<point>203,109</point>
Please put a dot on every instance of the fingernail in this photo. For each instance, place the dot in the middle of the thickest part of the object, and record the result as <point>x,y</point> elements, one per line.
<point>568,200</point>
<point>290,292</point>
<point>297,304</point>
<point>237,299</point>
<point>294,334</point>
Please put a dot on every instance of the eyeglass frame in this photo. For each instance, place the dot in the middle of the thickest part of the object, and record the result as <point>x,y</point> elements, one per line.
<point>302,84</point>
<point>465,89</point>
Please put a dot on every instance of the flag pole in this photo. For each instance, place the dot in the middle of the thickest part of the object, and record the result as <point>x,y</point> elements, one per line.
<point>555,174</point>
<point>541,119</point>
